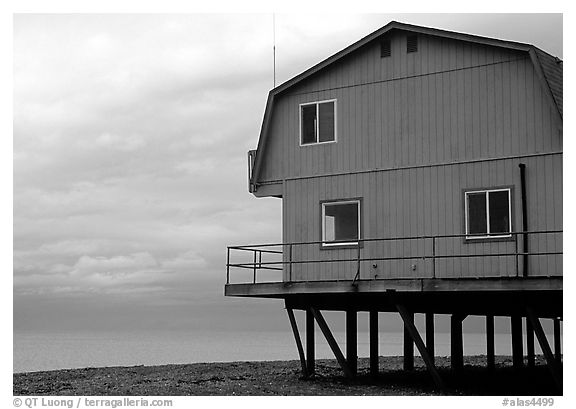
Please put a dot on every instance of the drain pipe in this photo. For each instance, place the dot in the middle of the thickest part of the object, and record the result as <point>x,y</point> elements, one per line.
<point>522,167</point>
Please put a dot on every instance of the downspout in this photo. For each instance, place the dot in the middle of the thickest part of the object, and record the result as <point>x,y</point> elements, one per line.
<point>522,167</point>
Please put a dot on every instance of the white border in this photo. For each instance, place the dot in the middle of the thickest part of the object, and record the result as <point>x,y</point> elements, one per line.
<point>339,202</point>
<point>317,103</point>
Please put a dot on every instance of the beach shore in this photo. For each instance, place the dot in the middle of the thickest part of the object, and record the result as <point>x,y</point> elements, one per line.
<point>284,378</point>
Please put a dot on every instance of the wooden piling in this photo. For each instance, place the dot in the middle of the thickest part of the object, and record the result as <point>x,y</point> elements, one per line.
<point>530,354</point>
<point>490,352</point>
<point>310,353</point>
<point>517,347</point>
<point>408,344</point>
<point>352,340</point>
<point>456,342</point>
<point>374,343</point>
<point>430,334</point>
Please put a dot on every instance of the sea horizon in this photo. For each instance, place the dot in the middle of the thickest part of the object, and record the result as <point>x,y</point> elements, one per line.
<point>54,350</point>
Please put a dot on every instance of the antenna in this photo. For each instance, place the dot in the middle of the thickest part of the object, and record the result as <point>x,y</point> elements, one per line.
<point>274,45</point>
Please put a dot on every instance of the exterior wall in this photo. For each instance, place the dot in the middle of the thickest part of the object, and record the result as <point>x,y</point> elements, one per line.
<point>426,200</point>
<point>413,131</point>
<point>449,101</point>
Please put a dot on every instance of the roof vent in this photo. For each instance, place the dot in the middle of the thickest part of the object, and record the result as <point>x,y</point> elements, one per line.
<point>411,43</point>
<point>385,48</point>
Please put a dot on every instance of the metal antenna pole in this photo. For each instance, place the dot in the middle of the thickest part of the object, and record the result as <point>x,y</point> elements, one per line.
<point>274,45</point>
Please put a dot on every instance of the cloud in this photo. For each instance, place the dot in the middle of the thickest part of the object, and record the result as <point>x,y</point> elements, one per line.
<point>130,140</point>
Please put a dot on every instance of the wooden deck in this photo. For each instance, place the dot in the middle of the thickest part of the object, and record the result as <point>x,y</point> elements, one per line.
<point>283,289</point>
<point>498,296</point>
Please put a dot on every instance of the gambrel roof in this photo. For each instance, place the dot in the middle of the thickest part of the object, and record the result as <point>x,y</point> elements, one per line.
<point>548,69</point>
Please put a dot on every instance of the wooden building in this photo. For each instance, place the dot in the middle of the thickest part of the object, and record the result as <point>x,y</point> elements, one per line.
<point>420,171</point>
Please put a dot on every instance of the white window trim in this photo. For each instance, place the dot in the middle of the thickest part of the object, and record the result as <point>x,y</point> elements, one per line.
<point>317,103</point>
<point>339,202</point>
<point>487,192</point>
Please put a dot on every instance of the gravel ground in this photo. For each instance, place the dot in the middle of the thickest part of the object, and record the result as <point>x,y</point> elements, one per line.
<point>284,378</point>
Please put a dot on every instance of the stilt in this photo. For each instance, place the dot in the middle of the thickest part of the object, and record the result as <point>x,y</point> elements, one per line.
<point>530,355</point>
<point>517,349</point>
<point>294,326</point>
<point>310,354</point>
<point>430,334</point>
<point>490,353</point>
<point>557,341</point>
<point>412,332</point>
<point>408,344</point>
<point>352,340</point>
<point>374,343</point>
<point>553,366</point>
<point>456,342</point>
<point>331,341</point>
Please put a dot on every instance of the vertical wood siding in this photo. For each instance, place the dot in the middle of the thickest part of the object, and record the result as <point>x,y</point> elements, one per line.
<point>448,101</point>
<point>425,202</point>
<point>406,119</point>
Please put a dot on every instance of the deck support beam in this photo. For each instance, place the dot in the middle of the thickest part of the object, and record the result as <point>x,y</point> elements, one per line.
<point>490,351</point>
<point>408,342</point>
<point>310,353</point>
<point>553,366</point>
<point>408,318</point>
<point>517,347</point>
<point>456,342</point>
<point>352,341</point>
<point>374,342</point>
<point>294,326</point>
<point>557,341</point>
<point>331,341</point>
<point>430,334</point>
<point>530,354</point>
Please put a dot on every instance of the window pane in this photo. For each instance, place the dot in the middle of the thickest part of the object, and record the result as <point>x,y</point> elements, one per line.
<point>477,213</point>
<point>499,212</point>
<point>326,121</point>
<point>341,222</point>
<point>308,123</point>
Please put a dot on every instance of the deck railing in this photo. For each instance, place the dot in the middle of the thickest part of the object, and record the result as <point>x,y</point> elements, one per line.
<point>280,256</point>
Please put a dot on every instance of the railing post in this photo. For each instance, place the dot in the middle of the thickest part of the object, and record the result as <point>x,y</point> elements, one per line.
<point>254,264</point>
<point>290,262</point>
<point>516,252</point>
<point>358,261</point>
<point>227,265</point>
<point>259,258</point>
<point>433,256</point>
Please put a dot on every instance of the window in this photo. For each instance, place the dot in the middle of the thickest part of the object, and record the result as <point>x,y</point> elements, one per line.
<point>385,48</point>
<point>341,223</point>
<point>411,43</point>
<point>318,122</point>
<point>488,213</point>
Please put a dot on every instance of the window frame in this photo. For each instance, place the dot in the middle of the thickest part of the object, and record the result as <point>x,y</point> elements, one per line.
<point>342,245</point>
<point>489,236</point>
<point>317,128</point>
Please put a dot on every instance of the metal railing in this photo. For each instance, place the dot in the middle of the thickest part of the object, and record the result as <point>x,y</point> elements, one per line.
<point>289,261</point>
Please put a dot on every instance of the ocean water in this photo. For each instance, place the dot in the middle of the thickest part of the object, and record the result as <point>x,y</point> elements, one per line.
<point>39,351</point>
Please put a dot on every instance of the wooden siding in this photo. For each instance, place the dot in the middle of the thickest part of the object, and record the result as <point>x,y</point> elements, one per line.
<point>425,200</point>
<point>450,101</point>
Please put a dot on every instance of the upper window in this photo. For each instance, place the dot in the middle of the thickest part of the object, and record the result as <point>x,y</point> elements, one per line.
<point>341,223</point>
<point>412,43</point>
<point>488,213</point>
<point>318,122</point>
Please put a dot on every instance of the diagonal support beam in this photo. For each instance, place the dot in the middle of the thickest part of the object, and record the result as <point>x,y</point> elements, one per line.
<point>555,369</point>
<point>294,326</point>
<point>331,341</point>
<point>413,331</point>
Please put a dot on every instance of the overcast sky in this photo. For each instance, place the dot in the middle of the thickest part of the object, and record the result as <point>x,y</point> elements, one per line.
<point>130,140</point>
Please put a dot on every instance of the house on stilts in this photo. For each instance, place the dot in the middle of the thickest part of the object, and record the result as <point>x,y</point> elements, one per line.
<point>420,172</point>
